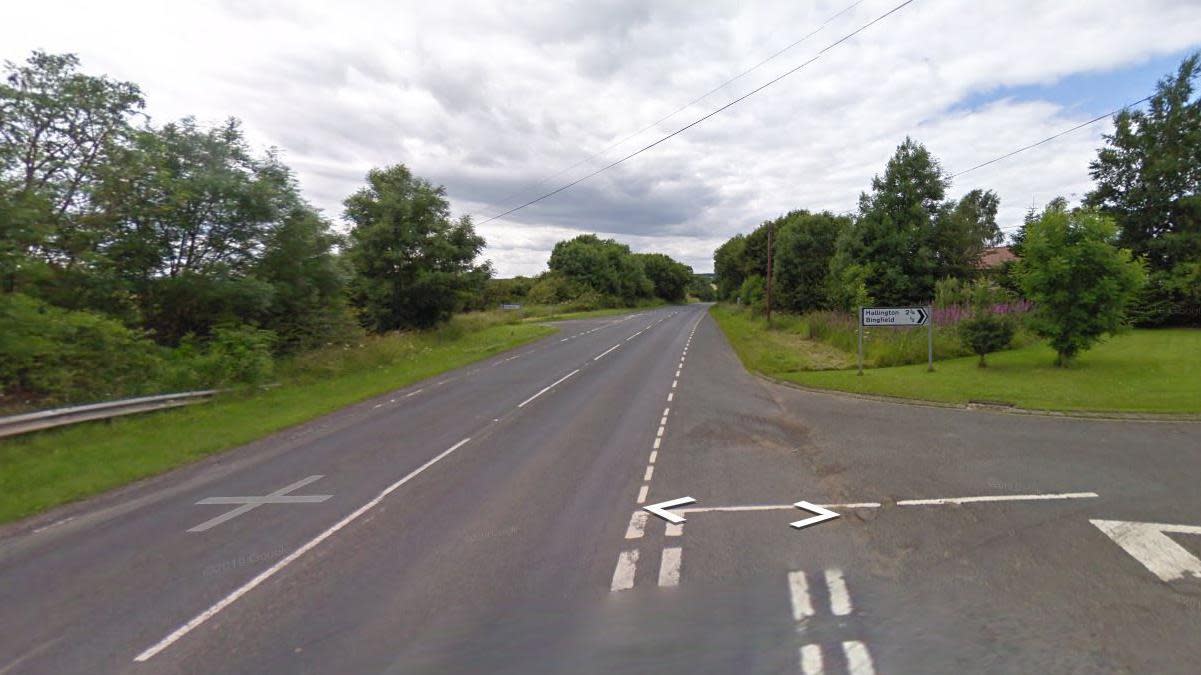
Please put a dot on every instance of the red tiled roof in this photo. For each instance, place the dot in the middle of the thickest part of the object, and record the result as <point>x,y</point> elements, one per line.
<point>995,257</point>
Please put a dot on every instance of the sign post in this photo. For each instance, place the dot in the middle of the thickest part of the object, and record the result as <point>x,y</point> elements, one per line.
<point>898,317</point>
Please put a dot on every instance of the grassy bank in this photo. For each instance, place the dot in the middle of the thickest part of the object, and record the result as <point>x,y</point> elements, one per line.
<point>1139,371</point>
<point>53,467</point>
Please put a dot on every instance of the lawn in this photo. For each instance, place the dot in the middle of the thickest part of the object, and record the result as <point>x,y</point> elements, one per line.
<point>53,467</point>
<point>1137,371</point>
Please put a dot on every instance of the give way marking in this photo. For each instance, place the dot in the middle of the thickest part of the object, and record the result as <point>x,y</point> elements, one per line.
<point>1151,546</point>
<point>247,504</point>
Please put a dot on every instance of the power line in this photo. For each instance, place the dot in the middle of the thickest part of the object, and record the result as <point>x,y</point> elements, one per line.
<point>688,126</point>
<point>682,108</point>
<point>1051,138</point>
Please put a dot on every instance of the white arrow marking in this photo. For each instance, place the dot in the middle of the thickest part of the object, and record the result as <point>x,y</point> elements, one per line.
<point>1149,544</point>
<point>660,509</point>
<point>823,514</point>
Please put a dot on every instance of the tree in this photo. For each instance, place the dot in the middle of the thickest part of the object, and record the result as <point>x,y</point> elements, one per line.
<point>701,287</point>
<point>413,265</point>
<point>1079,280</point>
<point>907,236</point>
<point>57,128</point>
<point>603,266</point>
<point>986,331</point>
<point>670,279</point>
<point>804,246</point>
<point>1149,180</point>
<point>729,267</point>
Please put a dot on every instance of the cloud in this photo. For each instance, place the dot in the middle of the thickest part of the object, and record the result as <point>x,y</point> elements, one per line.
<point>489,99</point>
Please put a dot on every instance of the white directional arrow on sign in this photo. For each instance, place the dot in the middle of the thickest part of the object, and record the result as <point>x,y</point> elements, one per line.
<point>823,514</point>
<point>660,509</point>
<point>1150,545</point>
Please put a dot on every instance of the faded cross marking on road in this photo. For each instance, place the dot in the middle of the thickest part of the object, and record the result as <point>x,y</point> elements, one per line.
<point>247,504</point>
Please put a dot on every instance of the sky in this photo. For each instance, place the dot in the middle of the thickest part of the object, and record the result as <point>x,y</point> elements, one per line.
<point>495,100</point>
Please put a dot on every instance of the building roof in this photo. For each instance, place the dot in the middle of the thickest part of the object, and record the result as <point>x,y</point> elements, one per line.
<point>995,257</point>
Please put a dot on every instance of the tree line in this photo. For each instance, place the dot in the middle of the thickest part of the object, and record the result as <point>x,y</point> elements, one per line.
<point>138,256</point>
<point>1130,252</point>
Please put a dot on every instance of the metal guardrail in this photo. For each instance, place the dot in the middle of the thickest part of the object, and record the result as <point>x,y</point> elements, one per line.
<point>60,417</point>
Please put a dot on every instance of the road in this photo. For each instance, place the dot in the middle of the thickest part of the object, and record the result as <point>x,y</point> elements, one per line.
<point>489,521</point>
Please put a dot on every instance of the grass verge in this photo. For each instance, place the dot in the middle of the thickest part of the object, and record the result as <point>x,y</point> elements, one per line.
<point>1141,371</point>
<point>53,467</point>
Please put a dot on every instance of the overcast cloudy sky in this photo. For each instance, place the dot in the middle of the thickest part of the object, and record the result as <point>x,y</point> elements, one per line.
<point>490,98</point>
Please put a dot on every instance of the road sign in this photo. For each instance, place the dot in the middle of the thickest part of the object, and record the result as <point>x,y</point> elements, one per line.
<point>894,316</point>
<point>897,317</point>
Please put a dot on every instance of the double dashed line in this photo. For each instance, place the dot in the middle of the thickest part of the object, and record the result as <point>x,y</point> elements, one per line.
<point>812,659</point>
<point>671,558</point>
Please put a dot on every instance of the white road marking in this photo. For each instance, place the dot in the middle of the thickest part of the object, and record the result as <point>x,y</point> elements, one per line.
<point>642,494</point>
<point>247,504</point>
<point>548,388</point>
<point>659,433</point>
<point>657,442</point>
<point>650,471</point>
<point>859,660</point>
<point>637,525</point>
<point>995,498</point>
<point>777,507</point>
<point>635,335</point>
<point>677,372</point>
<point>840,598</point>
<point>811,660</point>
<point>654,456</point>
<point>669,567</point>
<point>291,557</point>
<point>418,391</point>
<point>1149,545</point>
<point>623,574</point>
<point>602,354</point>
<point>674,383</point>
<point>663,420</point>
<point>666,411</point>
<point>675,529</point>
<point>670,395</point>
<point>798,592</point>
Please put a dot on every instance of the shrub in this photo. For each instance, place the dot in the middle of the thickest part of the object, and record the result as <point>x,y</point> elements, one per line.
<point>986,332</point>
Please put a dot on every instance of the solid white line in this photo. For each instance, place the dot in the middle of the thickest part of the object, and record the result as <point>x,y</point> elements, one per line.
<point>650,471</point>
<point>637,525</point>
<point>798,592</point>
<point>859,660</point>
<point>840,599</point>
<point>669,567</point>
<point>811,660</point>
<point>675,529</point>
<point>642,494</point>
<point>547,388</point>
<point>602,355</point>
<point>654,456</point>
<point>996,498</point>
<point>291,557</point>
<point>623,574</point>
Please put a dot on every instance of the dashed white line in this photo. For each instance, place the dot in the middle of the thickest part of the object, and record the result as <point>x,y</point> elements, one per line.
<point>623,574</point>
<point>659,433</point>
<point>670,396</point>
<point>811,660</point>
<point>654,456</point>
<point>291,557</point>
<point>669,567</point>
<point>637,525</point>
<point>859,660</point>
<point>657,442</point>
<point>675,529</point>
<point>798,593</point>
<point>650,471</point>
<point>602,354</point>
<point>642,494</point>
<point>840,598</point>
<point>548,388</point>
<point>674,383</point>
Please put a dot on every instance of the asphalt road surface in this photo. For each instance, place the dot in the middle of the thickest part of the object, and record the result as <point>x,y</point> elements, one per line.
<point>489,521</point>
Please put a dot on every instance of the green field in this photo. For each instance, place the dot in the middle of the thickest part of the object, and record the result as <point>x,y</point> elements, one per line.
<point>45,469</point>
<point>1141,371</point>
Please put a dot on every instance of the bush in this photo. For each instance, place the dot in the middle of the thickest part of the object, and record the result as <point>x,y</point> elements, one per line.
<point>752,293</point>
<point>986,333</point>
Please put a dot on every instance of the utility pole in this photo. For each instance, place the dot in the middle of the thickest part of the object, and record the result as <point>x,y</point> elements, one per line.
<point>770,227</point>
